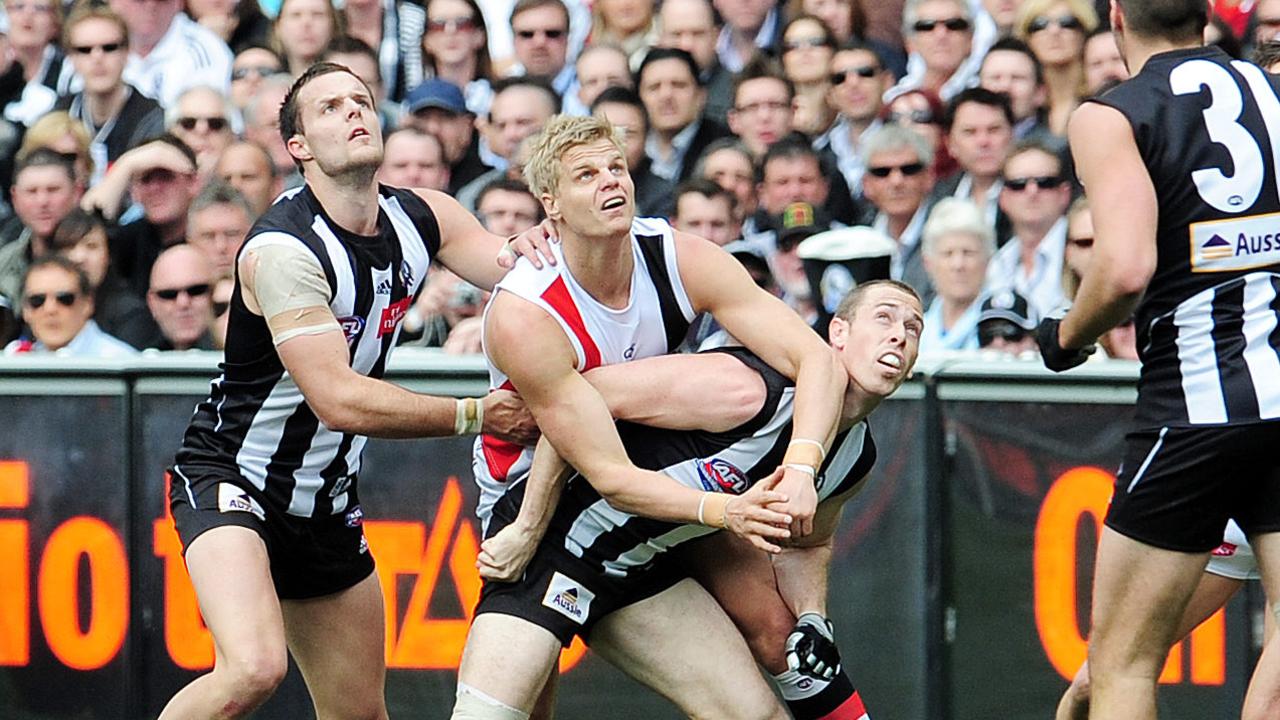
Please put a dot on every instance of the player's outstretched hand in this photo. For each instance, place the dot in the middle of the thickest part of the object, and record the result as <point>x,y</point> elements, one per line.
<point>811,647</point>
<point>534,243</point>
<point>800,488</point>
<point>750,516</point>
<point>1056,357</point>
<point>506,417</point>
<point>504,556</point>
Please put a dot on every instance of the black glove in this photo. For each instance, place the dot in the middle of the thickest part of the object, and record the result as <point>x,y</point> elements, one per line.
<point>811,647</point>
<point>1056,357</point>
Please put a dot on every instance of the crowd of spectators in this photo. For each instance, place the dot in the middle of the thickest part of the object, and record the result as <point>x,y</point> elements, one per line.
<point>820,141</point>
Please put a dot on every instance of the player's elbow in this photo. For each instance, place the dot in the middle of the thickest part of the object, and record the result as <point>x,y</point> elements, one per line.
<point>335,408</point>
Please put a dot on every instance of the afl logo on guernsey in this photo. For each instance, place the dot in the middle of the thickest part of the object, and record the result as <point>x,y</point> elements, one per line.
<point>719,475</point>
<point>351,326</point>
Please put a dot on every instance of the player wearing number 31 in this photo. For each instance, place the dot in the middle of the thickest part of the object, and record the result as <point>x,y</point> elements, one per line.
<point>1180,165</point>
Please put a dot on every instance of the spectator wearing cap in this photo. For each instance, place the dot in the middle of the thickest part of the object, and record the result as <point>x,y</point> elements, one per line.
<point>117,116</point>
<point>161,177</point>
<point>58,309</point>
<point>1035,196</point>
<point>798,222</point>
<point>81,237</point>
<point>654,196</point>
<point>858,82</point>
<point>169,52</point>
<point>180,299</point>
<point>956,246</point>
<point>202,120</point>
<point>521,107</point>
<point>414,159</point>
<point>454,48</point>
<point>673,97</point>
<point>44,191</point>
<point>897,183</point>
<point>437,107</point>
<point>692,26</point>
<point>979,127</point>
<point>1006,324</point>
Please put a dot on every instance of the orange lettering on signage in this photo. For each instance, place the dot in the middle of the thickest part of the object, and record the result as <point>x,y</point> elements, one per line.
<point>1087,491</point>
<point>15,554</point>
<point>189,642</point>
<point>418,640</point>
<point>59,593</point>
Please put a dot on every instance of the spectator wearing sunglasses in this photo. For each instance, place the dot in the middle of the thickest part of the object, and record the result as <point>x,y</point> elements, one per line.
<point>44,191</point>
<point>202,120</point>
<point>943,54</point>
<point>57,305</point>
<point>161,178</point>
<point>979,125</point>
<point>541,30</point>
<point>181,299</point>
<point>858,82</point>
<point>251,66</point>
<point>897,183</point>
<point>1055,31</point>
<point>117,116</point>
<point>923,112</point>
<point>807,49</point>
<point>1006,324</point>
<point>1035,196</point>
<point>1120,342</point>
<point>81,237</point>
<point>169,52</point>
<point>454,49</point>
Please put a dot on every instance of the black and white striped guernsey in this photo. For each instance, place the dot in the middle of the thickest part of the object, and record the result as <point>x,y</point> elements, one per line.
<point>1208,129</point>
<point>255,422</point>
<point>617,543</point>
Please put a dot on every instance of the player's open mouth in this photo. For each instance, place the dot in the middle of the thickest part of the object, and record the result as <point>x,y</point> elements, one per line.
<point>614,203</point>
<point>891,360</point>
<point>358,132</point>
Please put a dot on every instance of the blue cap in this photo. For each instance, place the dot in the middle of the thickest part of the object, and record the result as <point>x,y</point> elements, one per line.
<point>436,93</point>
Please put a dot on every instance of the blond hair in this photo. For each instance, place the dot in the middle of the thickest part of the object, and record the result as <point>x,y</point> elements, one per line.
<point>560,135</point>
<point>1082,10</point>
<point>49,129</point>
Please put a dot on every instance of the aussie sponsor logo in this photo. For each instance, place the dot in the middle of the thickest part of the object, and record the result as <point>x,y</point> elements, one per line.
<point>719,475</point>
<point>392,315</point>
<point>1226,549</point>
<point>234,499</point>
<point>355,518</point>
<point>567,597</point>
<point>1235,244</point>
<point>352,326</point>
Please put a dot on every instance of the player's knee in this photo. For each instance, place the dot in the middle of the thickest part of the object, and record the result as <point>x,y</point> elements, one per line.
<point>766,635</point>
<point>256,675</point>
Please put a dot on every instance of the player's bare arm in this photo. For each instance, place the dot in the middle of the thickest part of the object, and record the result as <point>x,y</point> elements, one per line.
<point>764,324</point>
<point>314,350</point>
<point>576,420</point>
<point>470,251</point>
<point>504,556</point>
<point>1123,201</point>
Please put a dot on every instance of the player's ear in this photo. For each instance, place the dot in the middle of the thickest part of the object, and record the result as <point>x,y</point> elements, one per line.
<point>551,205</point>
<point>299,149</point>
<point>838,332</point>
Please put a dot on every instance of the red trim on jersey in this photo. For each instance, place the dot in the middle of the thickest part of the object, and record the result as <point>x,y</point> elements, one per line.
<point>851,709</point>
<point>500,455</point>
<point>557,296</point>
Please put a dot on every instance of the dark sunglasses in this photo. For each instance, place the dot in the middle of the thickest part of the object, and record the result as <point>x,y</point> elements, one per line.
<point>35,301</point>
<point>1084,242</point>
<point>885,171</point>
<point>215,124</point>
<point>221,307</point>
<point>920,117</point>
<point>194,291</point>
<point>106,48</point>
<point>864,71</point>
<point>1066,22</point>
<point>956,24</point>
<point>259,70</point>
<point>1003,329</point>
<point>452,24</point>
<point>1047,182</point>
<point>553,34</point>
<point>813,42</point>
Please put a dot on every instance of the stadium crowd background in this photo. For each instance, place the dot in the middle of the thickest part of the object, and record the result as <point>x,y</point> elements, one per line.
<point>139,141</point>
